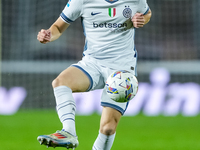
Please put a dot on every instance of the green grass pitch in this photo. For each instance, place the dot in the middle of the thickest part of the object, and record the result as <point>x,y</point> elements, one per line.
<point>19,131</point>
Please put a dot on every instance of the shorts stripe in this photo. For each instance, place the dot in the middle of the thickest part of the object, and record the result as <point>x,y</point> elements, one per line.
<point>126,106</point>
<point>114,106</point>
<point>87,74</point>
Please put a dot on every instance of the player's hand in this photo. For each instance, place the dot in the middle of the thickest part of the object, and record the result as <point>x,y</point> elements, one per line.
<point>44,36</point>
<point>138,20</point>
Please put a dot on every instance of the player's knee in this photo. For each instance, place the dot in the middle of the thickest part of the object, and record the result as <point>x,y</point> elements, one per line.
<point>57,82</point>
<point>108,128</point>
<point>54,83</point>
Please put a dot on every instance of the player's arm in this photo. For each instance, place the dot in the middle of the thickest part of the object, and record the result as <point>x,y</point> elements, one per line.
<point>54,32</point>
<point>139,19</point>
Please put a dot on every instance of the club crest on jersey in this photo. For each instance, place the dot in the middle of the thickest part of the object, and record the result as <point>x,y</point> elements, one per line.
<point>112,12</point>
<point>127,12</point>
<point>111,1</point>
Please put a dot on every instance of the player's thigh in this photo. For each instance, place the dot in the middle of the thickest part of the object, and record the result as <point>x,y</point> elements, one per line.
<point>74,78</point>
<point>110,118</point>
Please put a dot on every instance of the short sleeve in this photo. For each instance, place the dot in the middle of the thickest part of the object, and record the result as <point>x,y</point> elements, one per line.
<point>143,7</point>
<point>72,11</point>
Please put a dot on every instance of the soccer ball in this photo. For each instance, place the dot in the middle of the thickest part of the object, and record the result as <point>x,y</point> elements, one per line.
<point>121,86</point>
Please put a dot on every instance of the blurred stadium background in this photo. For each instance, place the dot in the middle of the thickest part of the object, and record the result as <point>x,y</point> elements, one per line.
<point>168,72</point>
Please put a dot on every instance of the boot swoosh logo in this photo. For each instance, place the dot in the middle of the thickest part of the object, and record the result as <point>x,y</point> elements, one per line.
<point>92,13</point>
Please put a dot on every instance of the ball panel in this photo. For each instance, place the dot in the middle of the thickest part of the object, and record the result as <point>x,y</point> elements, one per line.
<point>121,86</point>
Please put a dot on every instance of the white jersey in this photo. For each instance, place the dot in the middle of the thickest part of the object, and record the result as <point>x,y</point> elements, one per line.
<point>108,28</point>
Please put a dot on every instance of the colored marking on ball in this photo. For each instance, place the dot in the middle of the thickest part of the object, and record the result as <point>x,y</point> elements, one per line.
<point>116,73</point>
<point>128,85</point>
<point>112,90</point>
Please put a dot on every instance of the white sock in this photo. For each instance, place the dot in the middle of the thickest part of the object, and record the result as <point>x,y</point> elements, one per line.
<point>103,142</point>
<point>66,108</point>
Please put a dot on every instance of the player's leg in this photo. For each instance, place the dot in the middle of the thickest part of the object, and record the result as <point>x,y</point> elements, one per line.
<point>70,80</point>
<point>109,120</point>
<point>111,114</point>
<point>74,78</point>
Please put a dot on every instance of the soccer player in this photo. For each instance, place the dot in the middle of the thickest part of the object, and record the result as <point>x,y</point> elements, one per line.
<point>109,29</point>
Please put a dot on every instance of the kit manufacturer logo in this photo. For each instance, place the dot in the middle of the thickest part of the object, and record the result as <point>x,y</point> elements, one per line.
<point>93,14</point>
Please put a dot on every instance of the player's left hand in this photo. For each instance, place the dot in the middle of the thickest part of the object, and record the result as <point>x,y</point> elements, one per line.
<point>138,20</point>
<point>44,36</point>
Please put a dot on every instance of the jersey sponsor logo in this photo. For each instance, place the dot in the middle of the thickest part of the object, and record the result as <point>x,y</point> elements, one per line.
<point>109,25</point>
<point>127,12</point>
<point>112,12</point>
<point>92,13</point>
